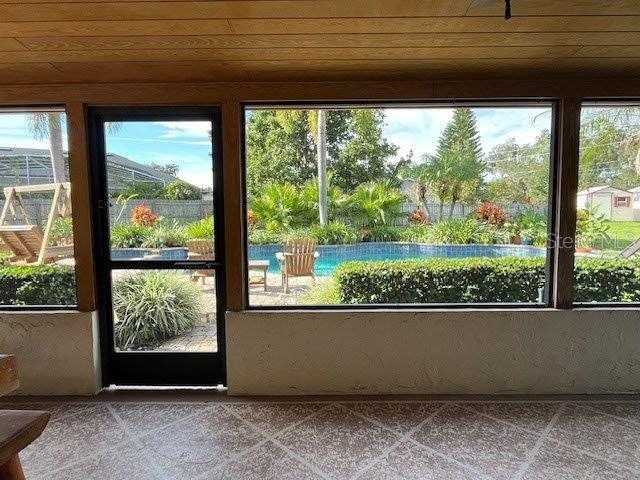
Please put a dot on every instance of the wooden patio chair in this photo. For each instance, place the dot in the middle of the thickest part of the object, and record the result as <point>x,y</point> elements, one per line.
<point>297,260</point>
<point>201,249</point>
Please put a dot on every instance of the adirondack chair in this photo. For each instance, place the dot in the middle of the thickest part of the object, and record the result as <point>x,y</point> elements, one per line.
<point>631,250</point>
<point>297,260</point>
<point>201,249</point>
<point>25,240</point>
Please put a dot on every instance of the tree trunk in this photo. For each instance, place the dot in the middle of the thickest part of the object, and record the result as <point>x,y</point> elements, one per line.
<point>56,149</point>
<point>322,167</point>
<point>451,208</point>
<point>441,211</point>
<point>637,163</point>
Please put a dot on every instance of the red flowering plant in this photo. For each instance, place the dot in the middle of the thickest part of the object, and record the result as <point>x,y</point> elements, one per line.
<point>142,215</point>
<point>418,216</point>
<point>492,214</point>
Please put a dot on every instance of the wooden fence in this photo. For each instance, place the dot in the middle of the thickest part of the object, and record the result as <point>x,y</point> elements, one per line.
<point>185,211</point>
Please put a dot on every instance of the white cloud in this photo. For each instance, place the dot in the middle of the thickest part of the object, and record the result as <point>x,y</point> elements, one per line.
<point>186,129</point>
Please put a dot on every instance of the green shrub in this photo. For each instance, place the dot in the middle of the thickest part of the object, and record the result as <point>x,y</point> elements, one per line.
<point>166,235</point>
<point>146,190</point>
<point>153,305</point>
<point>37,285</point>
<point>416,233</point>
<point>466,280</point>
<point>179,190</point>
<point>200,229</point>
<point>129,235</point>
<point>61,231</point>
<point>606,280</point>
<point>591,228</point>
<point>384,233</point>
<point>462,232</point>
<point>481,280</point>
<point>334,233</point>
<point>262,237</point>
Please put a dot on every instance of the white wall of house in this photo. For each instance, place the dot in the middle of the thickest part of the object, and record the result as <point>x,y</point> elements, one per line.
<point>433,352</point>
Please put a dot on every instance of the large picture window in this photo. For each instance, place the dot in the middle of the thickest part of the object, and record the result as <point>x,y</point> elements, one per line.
<point>36,230</point>
<point>607,269</point>
<point>379,205</point>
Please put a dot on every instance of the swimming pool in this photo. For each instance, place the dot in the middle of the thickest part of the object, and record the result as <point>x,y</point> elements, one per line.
<point>332,255</point>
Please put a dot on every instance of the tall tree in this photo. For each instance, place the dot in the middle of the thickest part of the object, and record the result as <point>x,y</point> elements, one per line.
<point>455,173</point>
<point>322,166</point>
<point>49,126</point>
<point>366,152</point>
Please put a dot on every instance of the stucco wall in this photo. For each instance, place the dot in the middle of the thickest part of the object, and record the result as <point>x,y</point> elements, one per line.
<point>57,352</point>
<point>438,352</point>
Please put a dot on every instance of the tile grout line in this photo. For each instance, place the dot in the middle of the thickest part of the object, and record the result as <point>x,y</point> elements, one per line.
<point>502,421</point>
<point>531,454</point>
<point>431,450</point>
<point>396,444</point>
<point>559,442</point>
<point>271,438</point>
<point>610,415</point>
<point>136,440</point>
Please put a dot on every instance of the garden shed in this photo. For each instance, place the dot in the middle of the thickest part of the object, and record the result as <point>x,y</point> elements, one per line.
<point>614,203</point>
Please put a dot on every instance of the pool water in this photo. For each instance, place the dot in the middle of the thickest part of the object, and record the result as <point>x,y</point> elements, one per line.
<point>332,255</point>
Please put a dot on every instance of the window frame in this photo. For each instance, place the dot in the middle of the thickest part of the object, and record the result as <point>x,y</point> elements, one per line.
<point>42,108</point>
<point>553,103</point>
<point>612,102</point>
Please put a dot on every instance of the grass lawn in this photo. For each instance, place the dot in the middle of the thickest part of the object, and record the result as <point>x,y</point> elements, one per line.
<point>621,234</point>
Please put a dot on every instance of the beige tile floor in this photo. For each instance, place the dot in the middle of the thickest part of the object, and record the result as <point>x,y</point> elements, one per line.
<point>214,437</point>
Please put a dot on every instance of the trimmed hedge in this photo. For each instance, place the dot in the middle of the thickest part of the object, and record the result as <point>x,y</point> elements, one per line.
<point>480,280</point>
<point>37,285</point>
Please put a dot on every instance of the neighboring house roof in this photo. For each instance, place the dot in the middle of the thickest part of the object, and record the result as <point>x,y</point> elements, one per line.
<point>592,190</point>
<point>635,190</point>
<point>119,160</point>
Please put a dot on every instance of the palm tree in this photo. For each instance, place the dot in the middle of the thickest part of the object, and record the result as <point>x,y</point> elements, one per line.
<point>49,126</point>
<point>322,166</point>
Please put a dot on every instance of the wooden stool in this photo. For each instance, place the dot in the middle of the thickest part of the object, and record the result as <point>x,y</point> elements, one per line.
<point>18,428</point>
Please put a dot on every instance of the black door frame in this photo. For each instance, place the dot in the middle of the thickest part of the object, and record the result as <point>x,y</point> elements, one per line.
<point>154,368</point>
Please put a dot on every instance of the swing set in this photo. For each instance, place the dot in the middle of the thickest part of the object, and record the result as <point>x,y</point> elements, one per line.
<point>25,239</point>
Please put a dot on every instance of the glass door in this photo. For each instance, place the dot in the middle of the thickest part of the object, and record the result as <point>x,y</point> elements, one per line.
<point>157,194</point>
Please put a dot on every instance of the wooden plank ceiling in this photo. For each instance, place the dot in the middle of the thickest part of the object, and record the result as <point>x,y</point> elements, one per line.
<point>47,41</point>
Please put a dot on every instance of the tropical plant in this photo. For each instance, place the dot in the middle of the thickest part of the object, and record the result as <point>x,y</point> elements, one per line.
<point>383,233</point>
<point>467,231</point>
<point>129,235</point>
<point>376,203</point>
<point>200,229</point>
<point>179,190</point>
<point>455,172</point>
<point>142,215</point>
<point>492,214</point>
<point>49,126</point>
<point>153,305</point>
<point>591,227</point>
<point>166,235</point>
<point>533,227</point>
<point>279,206</point>
<point>336,199</point>
<point>416,233</point>
<point>262,237</point>
<point>334,233</point>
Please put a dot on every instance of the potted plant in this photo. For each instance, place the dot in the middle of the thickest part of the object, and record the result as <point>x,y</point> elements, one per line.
<point>514,232</point>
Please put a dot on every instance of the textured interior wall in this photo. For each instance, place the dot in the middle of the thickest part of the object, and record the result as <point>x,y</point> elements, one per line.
<point>57,352</point>
<point>433,352</point>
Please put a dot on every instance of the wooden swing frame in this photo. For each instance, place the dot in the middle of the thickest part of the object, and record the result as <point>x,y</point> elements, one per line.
<point>26,241</point>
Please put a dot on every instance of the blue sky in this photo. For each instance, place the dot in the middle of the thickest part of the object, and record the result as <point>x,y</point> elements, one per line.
<point>187,143</point>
